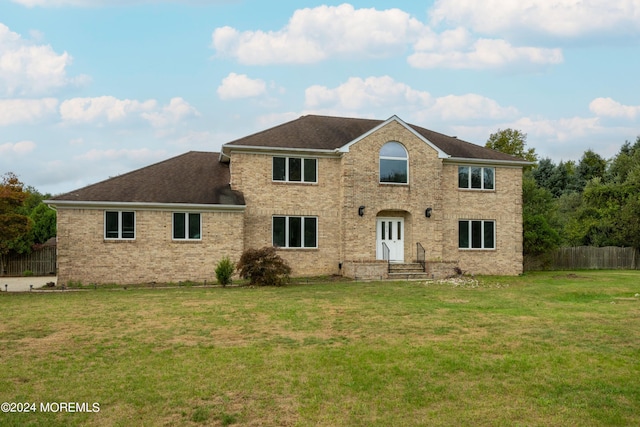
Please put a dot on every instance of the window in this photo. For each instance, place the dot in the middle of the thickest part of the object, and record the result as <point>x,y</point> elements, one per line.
<point>476,178</point>
<point>119,225</point>
<point>295,169</point>
<point>295,231</point>
<point>187,226</point>
<point>394,164</point>
<point>476,234</point>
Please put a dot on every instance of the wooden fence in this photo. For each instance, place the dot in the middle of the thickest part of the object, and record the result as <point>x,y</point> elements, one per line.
<point>41,262</point>
<point>586,257</point>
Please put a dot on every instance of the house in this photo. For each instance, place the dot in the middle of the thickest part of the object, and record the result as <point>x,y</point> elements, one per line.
<point>336,196</point>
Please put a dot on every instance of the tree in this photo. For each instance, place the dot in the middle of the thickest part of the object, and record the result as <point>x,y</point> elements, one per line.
<point>13,224</point>
<point>539,223</point>
<point>591,165</point>
<point>263,267</point>
<point>512,141</point>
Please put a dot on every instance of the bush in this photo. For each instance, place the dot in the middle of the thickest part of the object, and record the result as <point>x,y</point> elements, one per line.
<point>264,267</point>
<point>27,273</point>
<point>224,271</point>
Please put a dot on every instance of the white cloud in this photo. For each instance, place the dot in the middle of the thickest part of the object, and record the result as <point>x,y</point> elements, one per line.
<point>17,148</point>
<point>470,106</point>
<point>97,3</point>
<point>133,156</point>
<point>359,93</point>
<point>385,93</point>
<point>31,69</point>
<point>556,18</point>
<point>313,35</point>
<point>99,109</point>
<point>462,52</point>
<point>25,110</point>
<point>236,86</point>
<point>607,107</point>
<point>177,110</point>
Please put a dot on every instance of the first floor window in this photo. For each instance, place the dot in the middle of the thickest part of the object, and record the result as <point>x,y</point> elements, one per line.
<point>476,234</point>
<point>295,231</point>
<point>187,226</point>
<point>119,225</point>
<point>476,178</point>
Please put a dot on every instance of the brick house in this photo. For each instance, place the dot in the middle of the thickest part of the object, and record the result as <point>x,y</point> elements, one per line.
<point>335,195</point>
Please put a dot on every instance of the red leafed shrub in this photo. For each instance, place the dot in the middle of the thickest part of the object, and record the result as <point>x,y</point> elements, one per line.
<point>263,267</point>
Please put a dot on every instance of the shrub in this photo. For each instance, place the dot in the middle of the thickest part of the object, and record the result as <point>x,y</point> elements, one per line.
<point>27,273</point>
<point>224,271</point>
<point>264,267</point>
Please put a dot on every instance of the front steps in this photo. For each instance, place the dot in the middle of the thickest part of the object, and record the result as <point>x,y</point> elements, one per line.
<point>407,271</point>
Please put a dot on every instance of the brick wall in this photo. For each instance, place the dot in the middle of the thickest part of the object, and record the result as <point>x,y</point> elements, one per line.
<point>84,255</point>
<point>345,184</point>
<point>252,174</point>
<point>360,178</point>
<point>504,205</point>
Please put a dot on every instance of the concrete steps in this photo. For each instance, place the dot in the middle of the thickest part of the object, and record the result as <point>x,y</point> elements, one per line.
<point>407,271</point>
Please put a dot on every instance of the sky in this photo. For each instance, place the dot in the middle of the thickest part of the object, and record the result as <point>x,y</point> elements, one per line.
<point>91,89</point>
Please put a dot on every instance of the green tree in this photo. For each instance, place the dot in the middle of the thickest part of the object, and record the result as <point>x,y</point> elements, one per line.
<point>539,222</point>
<point>44,223</point>
<point>512,141</point>
<point>13,223</point>
<point>591,165</point>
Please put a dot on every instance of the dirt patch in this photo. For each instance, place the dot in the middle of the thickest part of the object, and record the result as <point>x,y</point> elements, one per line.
<point>569,276</point>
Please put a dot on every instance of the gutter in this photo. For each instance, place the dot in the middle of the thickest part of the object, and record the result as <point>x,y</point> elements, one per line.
<point>227,150</point>
<point>520,163</point>
<point>195,207</point>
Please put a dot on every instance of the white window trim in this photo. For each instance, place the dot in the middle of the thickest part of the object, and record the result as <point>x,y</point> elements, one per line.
<point>119,212</point>
<point>286,231</point>
<point>482,168</point>
<point>483,221</point>
<point>186,227</point>
<point>286,169</point>
<point>380,157</point>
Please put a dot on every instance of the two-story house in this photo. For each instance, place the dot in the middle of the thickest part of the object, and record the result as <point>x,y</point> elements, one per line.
<point>335,195</point>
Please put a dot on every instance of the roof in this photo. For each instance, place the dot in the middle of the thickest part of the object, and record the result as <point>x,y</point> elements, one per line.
<point>192,178</point>
<point>331,133</point>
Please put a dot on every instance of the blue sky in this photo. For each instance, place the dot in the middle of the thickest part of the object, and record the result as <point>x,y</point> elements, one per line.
<point>90,89</point>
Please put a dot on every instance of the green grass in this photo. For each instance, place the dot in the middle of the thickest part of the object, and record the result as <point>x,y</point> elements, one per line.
<point>553,348</point>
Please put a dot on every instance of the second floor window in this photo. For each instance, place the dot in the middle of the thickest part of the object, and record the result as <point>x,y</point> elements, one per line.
<point>394,164</point>
<point>295,169</point>
<point>476,178</point>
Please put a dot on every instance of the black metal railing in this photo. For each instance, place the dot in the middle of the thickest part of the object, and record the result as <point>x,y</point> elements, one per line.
<point>386,254</point>
<point>421,256</point>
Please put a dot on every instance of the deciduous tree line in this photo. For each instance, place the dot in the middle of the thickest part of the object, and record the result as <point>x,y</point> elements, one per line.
<point>592,202</point>
<point>25,221</point>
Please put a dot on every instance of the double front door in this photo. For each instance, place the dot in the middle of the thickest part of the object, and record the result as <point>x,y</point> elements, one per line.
<point>390,232</point>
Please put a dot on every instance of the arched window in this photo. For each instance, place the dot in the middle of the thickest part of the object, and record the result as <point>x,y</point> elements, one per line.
<point>394,163</point>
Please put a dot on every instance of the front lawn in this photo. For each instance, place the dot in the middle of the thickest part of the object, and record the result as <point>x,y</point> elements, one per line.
<point>552,348</point>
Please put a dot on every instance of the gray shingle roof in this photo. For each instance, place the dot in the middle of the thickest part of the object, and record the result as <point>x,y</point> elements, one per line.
<point>330,133</point>
<point>194,178</point>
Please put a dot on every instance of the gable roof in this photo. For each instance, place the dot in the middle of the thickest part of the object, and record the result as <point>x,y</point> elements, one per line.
<point>191,178</point>
<point>328,133</point>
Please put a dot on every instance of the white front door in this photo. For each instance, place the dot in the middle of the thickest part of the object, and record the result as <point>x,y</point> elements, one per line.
<point>390,231</point>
